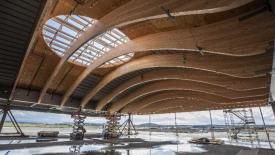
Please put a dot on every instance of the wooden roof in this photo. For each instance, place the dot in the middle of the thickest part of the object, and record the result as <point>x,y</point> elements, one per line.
<point>190,55</point>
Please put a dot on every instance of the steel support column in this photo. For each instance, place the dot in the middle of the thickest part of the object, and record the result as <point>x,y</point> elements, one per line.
<point>273,108</point>
<point>212,128</point>
<point>3,119</point>
<point>267,134</point>
<point>130,125</point>
<point>272,83</point>
<point>6,111</point>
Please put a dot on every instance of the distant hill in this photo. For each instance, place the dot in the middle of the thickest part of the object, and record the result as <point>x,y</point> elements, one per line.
<point>153,125</point>
<point>149,125</point>
<point>144,125</point>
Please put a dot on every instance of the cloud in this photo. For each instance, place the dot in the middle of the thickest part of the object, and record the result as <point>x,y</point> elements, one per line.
<point>186,118</point>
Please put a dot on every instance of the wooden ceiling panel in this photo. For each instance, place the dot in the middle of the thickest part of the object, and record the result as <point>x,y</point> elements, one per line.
<point>221,39</point>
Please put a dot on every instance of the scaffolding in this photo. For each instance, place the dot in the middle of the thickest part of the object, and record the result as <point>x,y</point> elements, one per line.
<point>6,111</point>
<point>128,127</point>
<point>78,126</point>
<point>111,129</point>
<point>241,125</point>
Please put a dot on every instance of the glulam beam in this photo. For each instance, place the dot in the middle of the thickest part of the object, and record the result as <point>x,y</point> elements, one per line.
<point>202,107</point>
<point>128,14</point>
<point>218,64</point>
<point>158,96</point>
<point>229,82</point>
<point>215,39</point>
<point>184,85</point>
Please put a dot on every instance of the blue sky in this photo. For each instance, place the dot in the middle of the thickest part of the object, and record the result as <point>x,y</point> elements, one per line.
<point>188,118</point>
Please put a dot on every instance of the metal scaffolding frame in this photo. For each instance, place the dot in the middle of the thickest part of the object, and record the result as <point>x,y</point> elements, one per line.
<point>111,129</point>
<point>78,126</point>
<point>128,126</point>
<point>267,134</point>
<point>6,111</point>
<point>241,124</point>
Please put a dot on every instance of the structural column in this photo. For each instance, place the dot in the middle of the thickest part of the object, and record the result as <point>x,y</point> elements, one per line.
<point>3,119</point>
<point>212,129</point>
<point>7,112</point>
<point>272,83</point>
<point>128,124</point>
<point>273,108</point>
<point>267,134</point>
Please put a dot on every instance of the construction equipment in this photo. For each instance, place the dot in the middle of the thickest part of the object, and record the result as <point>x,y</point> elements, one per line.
<point>205,140</point>
<point>48,133</point>
<point>111,129</point>
<point>241,124</point>
<point>127,127</point>
<point>78,127</point>
<point>6,111</point>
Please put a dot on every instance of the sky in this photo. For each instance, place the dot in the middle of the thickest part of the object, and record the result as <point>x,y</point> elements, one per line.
<point>187,118</point>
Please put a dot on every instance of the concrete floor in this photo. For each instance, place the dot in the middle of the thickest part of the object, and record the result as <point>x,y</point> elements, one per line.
<point>94,144</point>
<point>130,147</point>
<point>231,150</point>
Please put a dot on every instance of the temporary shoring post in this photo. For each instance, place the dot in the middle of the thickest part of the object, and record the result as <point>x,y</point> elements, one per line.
<point>176,125</point>
<point>273,108</point>
<point>272,92</point>
<point>212,130</point>
<point>177,133</point>
<point>4,111</point>
<point>150,132</point>
<point>129,123</point>
<point>267,134</point>
<point>7,112</point>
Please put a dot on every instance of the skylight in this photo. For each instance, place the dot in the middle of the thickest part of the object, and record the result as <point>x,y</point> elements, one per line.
<point>59,33</point>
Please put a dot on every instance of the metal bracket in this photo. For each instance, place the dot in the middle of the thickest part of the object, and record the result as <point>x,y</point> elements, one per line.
<point>168,12</point>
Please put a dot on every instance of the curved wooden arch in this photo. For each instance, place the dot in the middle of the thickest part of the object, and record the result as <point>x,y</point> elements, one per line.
<point>180,108</point>
<point>183,10</point>
<point>176,102</point>
<point>143,102</point>
<point>208,62</point>
<point>233,83</point>
<point>183,85</point>
<point>125,15</point>
<point>247,43</point>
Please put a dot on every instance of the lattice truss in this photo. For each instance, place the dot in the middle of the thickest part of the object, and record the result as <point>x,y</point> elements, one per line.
<point>241,124</point>
<point>59,33</point>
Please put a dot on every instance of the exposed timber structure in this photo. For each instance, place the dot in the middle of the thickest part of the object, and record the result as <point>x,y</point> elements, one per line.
<point>136,57</point>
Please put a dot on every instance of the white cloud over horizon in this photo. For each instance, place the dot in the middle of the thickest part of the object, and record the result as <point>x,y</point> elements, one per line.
<point>186,118</point>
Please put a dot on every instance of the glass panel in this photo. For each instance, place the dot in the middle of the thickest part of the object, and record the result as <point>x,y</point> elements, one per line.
<point>59,33</point>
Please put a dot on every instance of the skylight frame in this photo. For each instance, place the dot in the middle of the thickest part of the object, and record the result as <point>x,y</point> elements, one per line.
<point>59,33</point>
